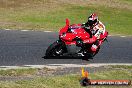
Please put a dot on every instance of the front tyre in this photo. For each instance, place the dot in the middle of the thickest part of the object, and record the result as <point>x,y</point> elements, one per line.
<point>55,49</point>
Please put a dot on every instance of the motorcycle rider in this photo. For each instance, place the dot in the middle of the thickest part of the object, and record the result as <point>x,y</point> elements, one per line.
<point>97,31</point>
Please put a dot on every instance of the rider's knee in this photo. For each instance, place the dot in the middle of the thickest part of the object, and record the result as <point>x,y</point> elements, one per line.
<point>94,48</point>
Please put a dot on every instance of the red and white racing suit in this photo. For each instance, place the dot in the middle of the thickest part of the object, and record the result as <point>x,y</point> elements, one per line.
<point>98,34</point>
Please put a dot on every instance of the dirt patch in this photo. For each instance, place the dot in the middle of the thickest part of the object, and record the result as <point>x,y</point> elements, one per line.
<point>29,4</point>
<point>107,3</point>
<point>54,72</point>
<point>47,4</point>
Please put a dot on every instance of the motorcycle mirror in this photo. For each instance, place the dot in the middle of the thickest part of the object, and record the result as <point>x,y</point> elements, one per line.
<point>67,22</point>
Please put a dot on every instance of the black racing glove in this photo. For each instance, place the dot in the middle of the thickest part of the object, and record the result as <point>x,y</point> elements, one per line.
<point>85,26</point>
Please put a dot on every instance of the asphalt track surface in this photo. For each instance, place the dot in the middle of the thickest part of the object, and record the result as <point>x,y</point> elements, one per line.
<point>28,47</point>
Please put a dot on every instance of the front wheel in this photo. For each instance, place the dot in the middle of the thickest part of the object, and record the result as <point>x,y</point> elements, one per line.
<point>55,49</point>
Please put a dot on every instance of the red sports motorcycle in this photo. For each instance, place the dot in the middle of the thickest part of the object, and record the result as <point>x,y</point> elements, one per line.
<point>67,43</point>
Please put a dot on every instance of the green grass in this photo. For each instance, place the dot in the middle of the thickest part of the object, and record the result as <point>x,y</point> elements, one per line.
<point>121,66</point>
<point>50,14</point>
<point>68,81</point>
<point>24,71</point>
<point>113,74</point>
<point>18,72</point>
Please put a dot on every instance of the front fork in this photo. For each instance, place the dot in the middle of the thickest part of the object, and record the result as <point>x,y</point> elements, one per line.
<point>61,49</point>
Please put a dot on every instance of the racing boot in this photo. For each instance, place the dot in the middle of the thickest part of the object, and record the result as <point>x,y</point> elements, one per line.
<point>81,53</point>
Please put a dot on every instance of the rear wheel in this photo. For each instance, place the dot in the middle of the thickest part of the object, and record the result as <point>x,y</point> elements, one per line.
<point>55,49</point>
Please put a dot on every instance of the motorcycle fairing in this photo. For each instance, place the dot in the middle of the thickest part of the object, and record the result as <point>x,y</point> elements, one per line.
<point>69,33</point>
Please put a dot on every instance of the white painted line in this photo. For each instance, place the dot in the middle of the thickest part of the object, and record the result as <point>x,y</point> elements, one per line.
<point>118,34</point>
<point>110,35</point>
<point>7,29</point>
<point>55,66</point>
<point>88,65</point>
<point>24,30</point>
<point>47,31</point>
<point>122,36</point>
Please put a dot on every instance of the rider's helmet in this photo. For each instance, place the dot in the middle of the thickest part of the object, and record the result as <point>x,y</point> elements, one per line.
<point>92,19</point>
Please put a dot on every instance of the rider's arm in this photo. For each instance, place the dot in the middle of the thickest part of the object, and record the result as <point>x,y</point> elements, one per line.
<point>85,25</point>
<point>100,30</point>
<point>90,40</point>
<point>95,36</point>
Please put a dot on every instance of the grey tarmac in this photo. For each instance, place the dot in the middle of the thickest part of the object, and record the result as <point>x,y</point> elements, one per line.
<point>18,48</point>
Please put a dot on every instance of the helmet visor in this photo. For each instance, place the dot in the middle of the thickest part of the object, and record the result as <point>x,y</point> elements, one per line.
<point>92,22</point>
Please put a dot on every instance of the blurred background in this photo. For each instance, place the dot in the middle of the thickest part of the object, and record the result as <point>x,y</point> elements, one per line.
<point>51,14</point>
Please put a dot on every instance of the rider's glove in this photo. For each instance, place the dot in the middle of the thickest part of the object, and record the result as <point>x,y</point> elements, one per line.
<point>83,25</point>
<point>79,42</point>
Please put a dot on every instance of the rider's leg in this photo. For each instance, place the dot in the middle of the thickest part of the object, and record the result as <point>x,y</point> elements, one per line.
<point>95,46</point>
